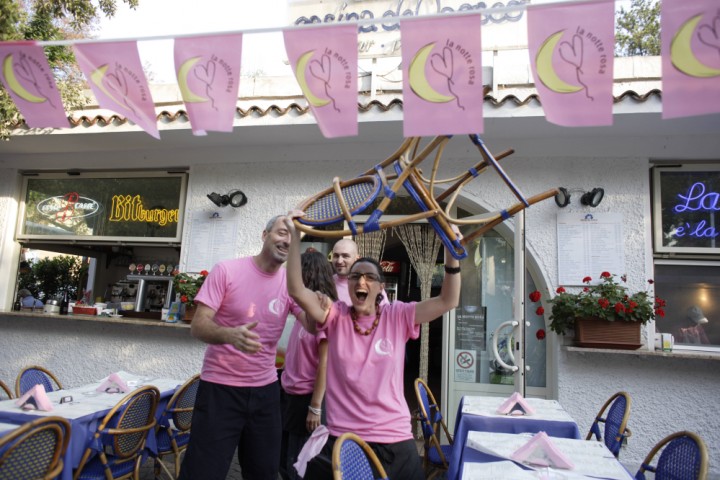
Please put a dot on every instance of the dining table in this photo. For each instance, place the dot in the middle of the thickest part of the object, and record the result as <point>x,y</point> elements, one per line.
<point>85,407</point>
<point>480,413</point>
<point>7,427</point>
<point>488,456</point>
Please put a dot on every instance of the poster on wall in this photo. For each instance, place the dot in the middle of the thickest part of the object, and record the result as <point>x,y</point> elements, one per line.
<point>465,366</point>
<point>589,244</point>
<point>212,239</point>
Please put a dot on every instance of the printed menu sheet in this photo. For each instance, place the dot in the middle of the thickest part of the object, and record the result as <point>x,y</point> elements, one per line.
<point>589,244</point>
<point>212,239</point>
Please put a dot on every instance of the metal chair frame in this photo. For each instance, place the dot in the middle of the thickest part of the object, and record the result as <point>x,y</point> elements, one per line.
<point>616,420</point>
<point>432,422</point>
<point>179,410</point>
<point>351,448</point>
<point>121,443</point>
<point>684,455</point>
<point>21,455</point>
<point>29,376</point>
<point>6,390</point>
<point>348,198</point>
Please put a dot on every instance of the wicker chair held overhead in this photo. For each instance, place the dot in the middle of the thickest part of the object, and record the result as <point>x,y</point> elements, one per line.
<point>122,435</point>
<point>173,429</point>
<point>616,420</point>
<point>437,456</point>
<point>34,375</point>
<point>682,455</point>
<point>34,450</point>
<point>353,459</point>
<point>5,392</point>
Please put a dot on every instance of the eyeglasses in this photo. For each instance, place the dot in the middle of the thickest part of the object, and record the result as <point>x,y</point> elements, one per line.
<point>369,277</point>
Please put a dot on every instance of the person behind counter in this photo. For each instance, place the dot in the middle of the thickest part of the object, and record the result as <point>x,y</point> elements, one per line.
<point>28,300</point>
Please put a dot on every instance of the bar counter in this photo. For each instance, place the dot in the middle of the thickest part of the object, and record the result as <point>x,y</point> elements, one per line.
<point>125,319</point>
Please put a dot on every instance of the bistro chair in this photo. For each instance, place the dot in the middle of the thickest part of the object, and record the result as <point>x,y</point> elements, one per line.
<point>173,429</point>
<point>5,392</point>
<point>115,452</point>
<point>437,456</point>
<point>34,375</point>
<point>353,459</point>
<point>684,455</point>
<point>34,450</point>
<point>615,421</point>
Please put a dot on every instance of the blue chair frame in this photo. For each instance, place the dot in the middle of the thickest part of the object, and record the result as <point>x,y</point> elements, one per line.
<point>353,459</point>
<point>616,420</point>
<point>437,456</point>
<point>684,455</point>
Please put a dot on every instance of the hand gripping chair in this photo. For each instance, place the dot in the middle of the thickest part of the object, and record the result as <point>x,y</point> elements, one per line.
<point>615,421</point>
<point>5,392</point>
<point>34,450</point>
<point>684,455</point>
<point>437,456</point>
<point>34,375</point>
<point>116,450</point>
<point>353,459</point>
<point>173,428</point>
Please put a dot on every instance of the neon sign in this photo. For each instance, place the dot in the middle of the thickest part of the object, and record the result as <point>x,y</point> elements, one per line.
<point>128,208</point>
<point>71,206</point>
<point>696,200</point>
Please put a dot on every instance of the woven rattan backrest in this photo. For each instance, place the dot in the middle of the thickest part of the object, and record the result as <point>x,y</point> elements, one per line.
<point>616,420</point>
<point>126,425</point>
<point>682,455</point>
<point>181,405</point>
<point>36,375</point>
<point>353,459</point>
<point>33,450</point>
<point>5,392</point>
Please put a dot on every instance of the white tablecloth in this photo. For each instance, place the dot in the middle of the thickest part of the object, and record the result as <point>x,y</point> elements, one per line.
<point>544,409</point>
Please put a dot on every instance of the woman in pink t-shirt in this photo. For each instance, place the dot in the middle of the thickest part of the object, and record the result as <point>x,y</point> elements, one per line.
<point>366,352</point>
<point>303,378</point>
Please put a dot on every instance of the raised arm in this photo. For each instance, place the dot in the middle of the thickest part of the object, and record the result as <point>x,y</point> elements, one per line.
<point>305,298</point>
<point>432,308</point>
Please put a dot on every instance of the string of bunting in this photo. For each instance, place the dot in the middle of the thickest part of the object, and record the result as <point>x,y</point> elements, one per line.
<point>571,48</point>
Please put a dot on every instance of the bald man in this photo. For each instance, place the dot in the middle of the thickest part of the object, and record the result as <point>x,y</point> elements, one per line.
<point>344,255</point>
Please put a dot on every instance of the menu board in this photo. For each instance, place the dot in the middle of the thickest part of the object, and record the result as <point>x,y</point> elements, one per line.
<point>212,239</point>
<point>589,244</point>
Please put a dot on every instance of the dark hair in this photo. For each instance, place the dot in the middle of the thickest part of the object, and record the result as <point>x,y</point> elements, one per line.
<point>317,274</point>
<point>371,261</point>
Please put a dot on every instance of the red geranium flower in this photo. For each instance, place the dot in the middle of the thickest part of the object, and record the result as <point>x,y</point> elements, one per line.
<point>540,334</point>
<point>619,307</point>
<point>204,273</point>
<point>587,280</point>
<point>603,302</point>
<point>183,298</point>
<point>535,296</point>
<point>586,289</point>
<point>539,311</point>
<point>560,290</point>
<point>659,312</point>
<point>651,281</point>
<point>605,275</point>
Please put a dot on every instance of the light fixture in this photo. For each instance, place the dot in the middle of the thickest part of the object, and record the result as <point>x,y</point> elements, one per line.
<point>562,198</point>
<point>593,197</point>
<point>234,198</point>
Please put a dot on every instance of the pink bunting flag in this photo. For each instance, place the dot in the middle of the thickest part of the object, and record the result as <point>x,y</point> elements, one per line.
<point>571,56</point>
<point>442,76</point>
<point>325,62</point>
<point>208,74</point>
<point>29,80</point>
<point>116,77</point>
<point>690,57</point>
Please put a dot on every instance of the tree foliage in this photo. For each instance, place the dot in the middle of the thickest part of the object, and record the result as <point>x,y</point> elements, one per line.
<point>49,278</point>
<point>637,31</point>
<point>51,20</point>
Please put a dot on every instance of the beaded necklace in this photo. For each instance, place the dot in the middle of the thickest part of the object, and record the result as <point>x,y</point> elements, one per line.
<point>353,316</point>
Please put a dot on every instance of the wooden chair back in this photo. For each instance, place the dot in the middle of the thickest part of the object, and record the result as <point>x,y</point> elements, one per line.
<point>34,375</point>
<point>682,455</point>
<point>615,420</point>
<point>353,459</point>
<point>34,450</point>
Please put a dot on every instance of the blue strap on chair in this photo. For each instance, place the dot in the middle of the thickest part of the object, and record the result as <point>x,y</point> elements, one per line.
<point>437,456</point>
<point>615,431</point>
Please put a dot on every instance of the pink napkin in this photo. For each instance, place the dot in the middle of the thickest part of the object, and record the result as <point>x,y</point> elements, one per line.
<point>541,451</point>
<point>312,447</point>
<point>35,399</point>
<point>114,384</point>
<point>515,405</point>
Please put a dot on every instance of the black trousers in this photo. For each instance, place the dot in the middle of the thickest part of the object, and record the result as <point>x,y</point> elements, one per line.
<point>400,460</point>
<point>226,418</point>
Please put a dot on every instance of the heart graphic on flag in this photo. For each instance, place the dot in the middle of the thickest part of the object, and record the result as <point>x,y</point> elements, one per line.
<point>710,35</point>
<point>205,73</point>
<point>572,53</point>
<point>443,64</point>
<point>24,71</point>
<point>321,69</point>
<point>116,82</point>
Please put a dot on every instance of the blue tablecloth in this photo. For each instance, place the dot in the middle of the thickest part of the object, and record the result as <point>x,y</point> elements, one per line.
<point>465,422</point>
<point>83,428</point>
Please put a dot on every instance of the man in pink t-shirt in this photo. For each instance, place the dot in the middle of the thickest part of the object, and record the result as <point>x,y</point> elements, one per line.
<point>242,309</point>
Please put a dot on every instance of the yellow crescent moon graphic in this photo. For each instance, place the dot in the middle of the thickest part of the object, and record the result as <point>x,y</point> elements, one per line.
<point>300,68</point>
<point>545,71</point>
<point>682,56</point>
<point>14,84</point>
<point>97,78</point>
<point>188,95</point>
<point>418,81</point>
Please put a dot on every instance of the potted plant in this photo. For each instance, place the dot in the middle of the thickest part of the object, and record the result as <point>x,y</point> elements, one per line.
<point>605,314</point>
<point>187,286</point>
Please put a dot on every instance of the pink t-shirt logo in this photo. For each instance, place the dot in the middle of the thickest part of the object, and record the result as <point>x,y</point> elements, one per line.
<point>384,347</point>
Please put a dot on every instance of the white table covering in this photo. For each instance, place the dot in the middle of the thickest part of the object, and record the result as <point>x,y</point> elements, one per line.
<point>544,409</point>
<point>591,459</point>
<point>6,427</point>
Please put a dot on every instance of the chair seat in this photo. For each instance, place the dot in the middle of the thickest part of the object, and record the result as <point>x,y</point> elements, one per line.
<point>434,456</point>
<point>164,441</point>
<point>94,469</point>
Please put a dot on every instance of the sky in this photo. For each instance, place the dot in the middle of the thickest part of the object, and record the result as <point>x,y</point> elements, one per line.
<point>265,52</point>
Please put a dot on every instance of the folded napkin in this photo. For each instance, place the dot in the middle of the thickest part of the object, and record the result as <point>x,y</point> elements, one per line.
<point>312,447</point>
<point>515,405</point>
<point>35,399</point>
<point>114,384</point>
<point>541,451</point>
